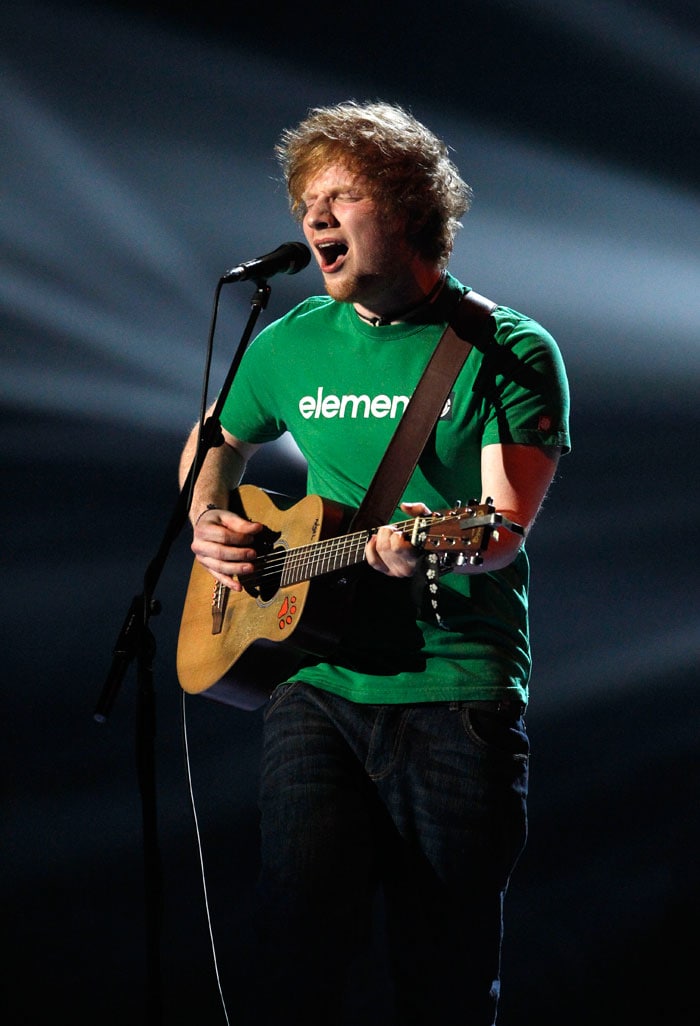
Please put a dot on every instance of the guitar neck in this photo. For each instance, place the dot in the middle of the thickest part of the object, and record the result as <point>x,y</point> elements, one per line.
<point>463,533</point>
<point>309,561</point>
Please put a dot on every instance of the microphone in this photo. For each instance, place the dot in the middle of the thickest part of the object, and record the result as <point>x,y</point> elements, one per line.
<point>288,258</point>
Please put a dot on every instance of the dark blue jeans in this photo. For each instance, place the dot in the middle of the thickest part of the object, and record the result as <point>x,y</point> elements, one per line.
<point>426,801</point>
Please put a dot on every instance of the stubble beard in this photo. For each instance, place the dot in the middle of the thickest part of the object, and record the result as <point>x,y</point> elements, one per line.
<point>364,289</point>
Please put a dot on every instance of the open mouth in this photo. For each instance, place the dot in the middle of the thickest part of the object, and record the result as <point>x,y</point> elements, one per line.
<point>332,254</point>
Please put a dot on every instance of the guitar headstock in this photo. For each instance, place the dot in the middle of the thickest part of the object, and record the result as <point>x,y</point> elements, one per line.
<point>462,534</point>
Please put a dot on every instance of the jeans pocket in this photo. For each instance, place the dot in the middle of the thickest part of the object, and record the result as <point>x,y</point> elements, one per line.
<point>492,729</point>
<point>278,696</point>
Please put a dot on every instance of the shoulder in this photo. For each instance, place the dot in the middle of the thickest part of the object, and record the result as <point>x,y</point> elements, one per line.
<point>511,330</point>
<point>513,326</point>
<point>510,325</point>
<point>521,352</point>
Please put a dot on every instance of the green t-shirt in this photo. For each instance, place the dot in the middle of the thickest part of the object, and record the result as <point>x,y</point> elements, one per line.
<point>339,385</point>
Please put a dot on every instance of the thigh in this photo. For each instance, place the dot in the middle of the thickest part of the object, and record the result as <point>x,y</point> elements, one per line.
<point>317,858</point>
<point>314,793</point>
<point>457,791</point>
<point>317,855</point>
<point>458,800</point>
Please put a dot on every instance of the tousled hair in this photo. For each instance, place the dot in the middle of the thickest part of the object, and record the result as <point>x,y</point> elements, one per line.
<point>407,168</point>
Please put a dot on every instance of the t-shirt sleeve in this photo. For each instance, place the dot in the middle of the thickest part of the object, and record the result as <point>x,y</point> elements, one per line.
<point>247,410</point>
<point>524,383</point>
<point>258,405</point>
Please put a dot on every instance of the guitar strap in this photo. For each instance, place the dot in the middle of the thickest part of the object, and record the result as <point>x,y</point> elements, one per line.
<point>470,325</point>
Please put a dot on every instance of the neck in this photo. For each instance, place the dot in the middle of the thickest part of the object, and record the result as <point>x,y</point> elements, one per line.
<point>403,312</point>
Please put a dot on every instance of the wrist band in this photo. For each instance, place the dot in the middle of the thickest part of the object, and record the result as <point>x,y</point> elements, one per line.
<point>206,510</point>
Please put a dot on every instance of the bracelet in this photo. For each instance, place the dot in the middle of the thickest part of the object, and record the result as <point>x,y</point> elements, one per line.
<point>206,509</point>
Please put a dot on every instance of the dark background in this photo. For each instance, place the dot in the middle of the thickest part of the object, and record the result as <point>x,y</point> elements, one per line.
<point>136,167</point>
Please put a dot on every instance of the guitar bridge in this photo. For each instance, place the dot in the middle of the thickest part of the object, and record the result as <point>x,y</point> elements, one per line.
<point>218,607</point>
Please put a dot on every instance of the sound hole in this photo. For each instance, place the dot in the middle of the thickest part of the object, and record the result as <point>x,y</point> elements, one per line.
<point>264,582</point>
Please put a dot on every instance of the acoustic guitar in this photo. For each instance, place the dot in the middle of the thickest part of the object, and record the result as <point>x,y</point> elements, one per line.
<point>236,647</point>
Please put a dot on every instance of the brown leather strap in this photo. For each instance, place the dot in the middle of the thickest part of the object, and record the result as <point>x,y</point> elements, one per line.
<point>470,325</point>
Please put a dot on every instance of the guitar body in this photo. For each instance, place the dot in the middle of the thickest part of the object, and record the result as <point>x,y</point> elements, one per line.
<point>237,646</point>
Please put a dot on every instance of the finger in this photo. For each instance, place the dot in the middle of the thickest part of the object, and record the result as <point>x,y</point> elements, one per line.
<point>415,508</point>
<point>373,557</point>
<point>227,562</point>
<point>391,554</point>
<point>228,572</point>
<point>224,525</point>
<point>239,524</point>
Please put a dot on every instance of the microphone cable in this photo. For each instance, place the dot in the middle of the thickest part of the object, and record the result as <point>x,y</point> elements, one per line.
<point>200,855</point>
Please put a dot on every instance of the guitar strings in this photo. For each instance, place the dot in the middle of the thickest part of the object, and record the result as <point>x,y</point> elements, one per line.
<point>322,551</point>
<point>327,550</point>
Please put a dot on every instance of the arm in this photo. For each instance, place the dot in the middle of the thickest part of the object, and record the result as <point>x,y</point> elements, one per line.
<point>515,477</point>
<point>221,539</point>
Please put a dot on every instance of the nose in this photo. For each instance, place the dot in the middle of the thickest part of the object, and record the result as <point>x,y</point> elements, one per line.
<point>319,213</point>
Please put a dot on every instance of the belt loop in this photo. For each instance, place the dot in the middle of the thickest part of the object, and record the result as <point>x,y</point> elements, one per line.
<point>507,705</point>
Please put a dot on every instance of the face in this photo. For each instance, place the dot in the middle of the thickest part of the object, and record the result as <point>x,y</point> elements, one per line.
<point>364,259</point>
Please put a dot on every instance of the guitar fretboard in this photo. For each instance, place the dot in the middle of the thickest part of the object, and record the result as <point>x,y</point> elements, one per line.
<point>309,561</point>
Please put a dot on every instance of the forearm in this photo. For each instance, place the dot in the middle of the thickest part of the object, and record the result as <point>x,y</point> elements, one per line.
<point>515,479</point>
<point>501,549</point>
<point>221,471</point>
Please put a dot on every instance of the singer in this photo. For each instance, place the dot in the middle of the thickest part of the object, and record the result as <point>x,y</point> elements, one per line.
<point>396,763</point>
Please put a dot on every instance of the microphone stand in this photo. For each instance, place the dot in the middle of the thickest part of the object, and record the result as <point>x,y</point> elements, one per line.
<point>135,641</point>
